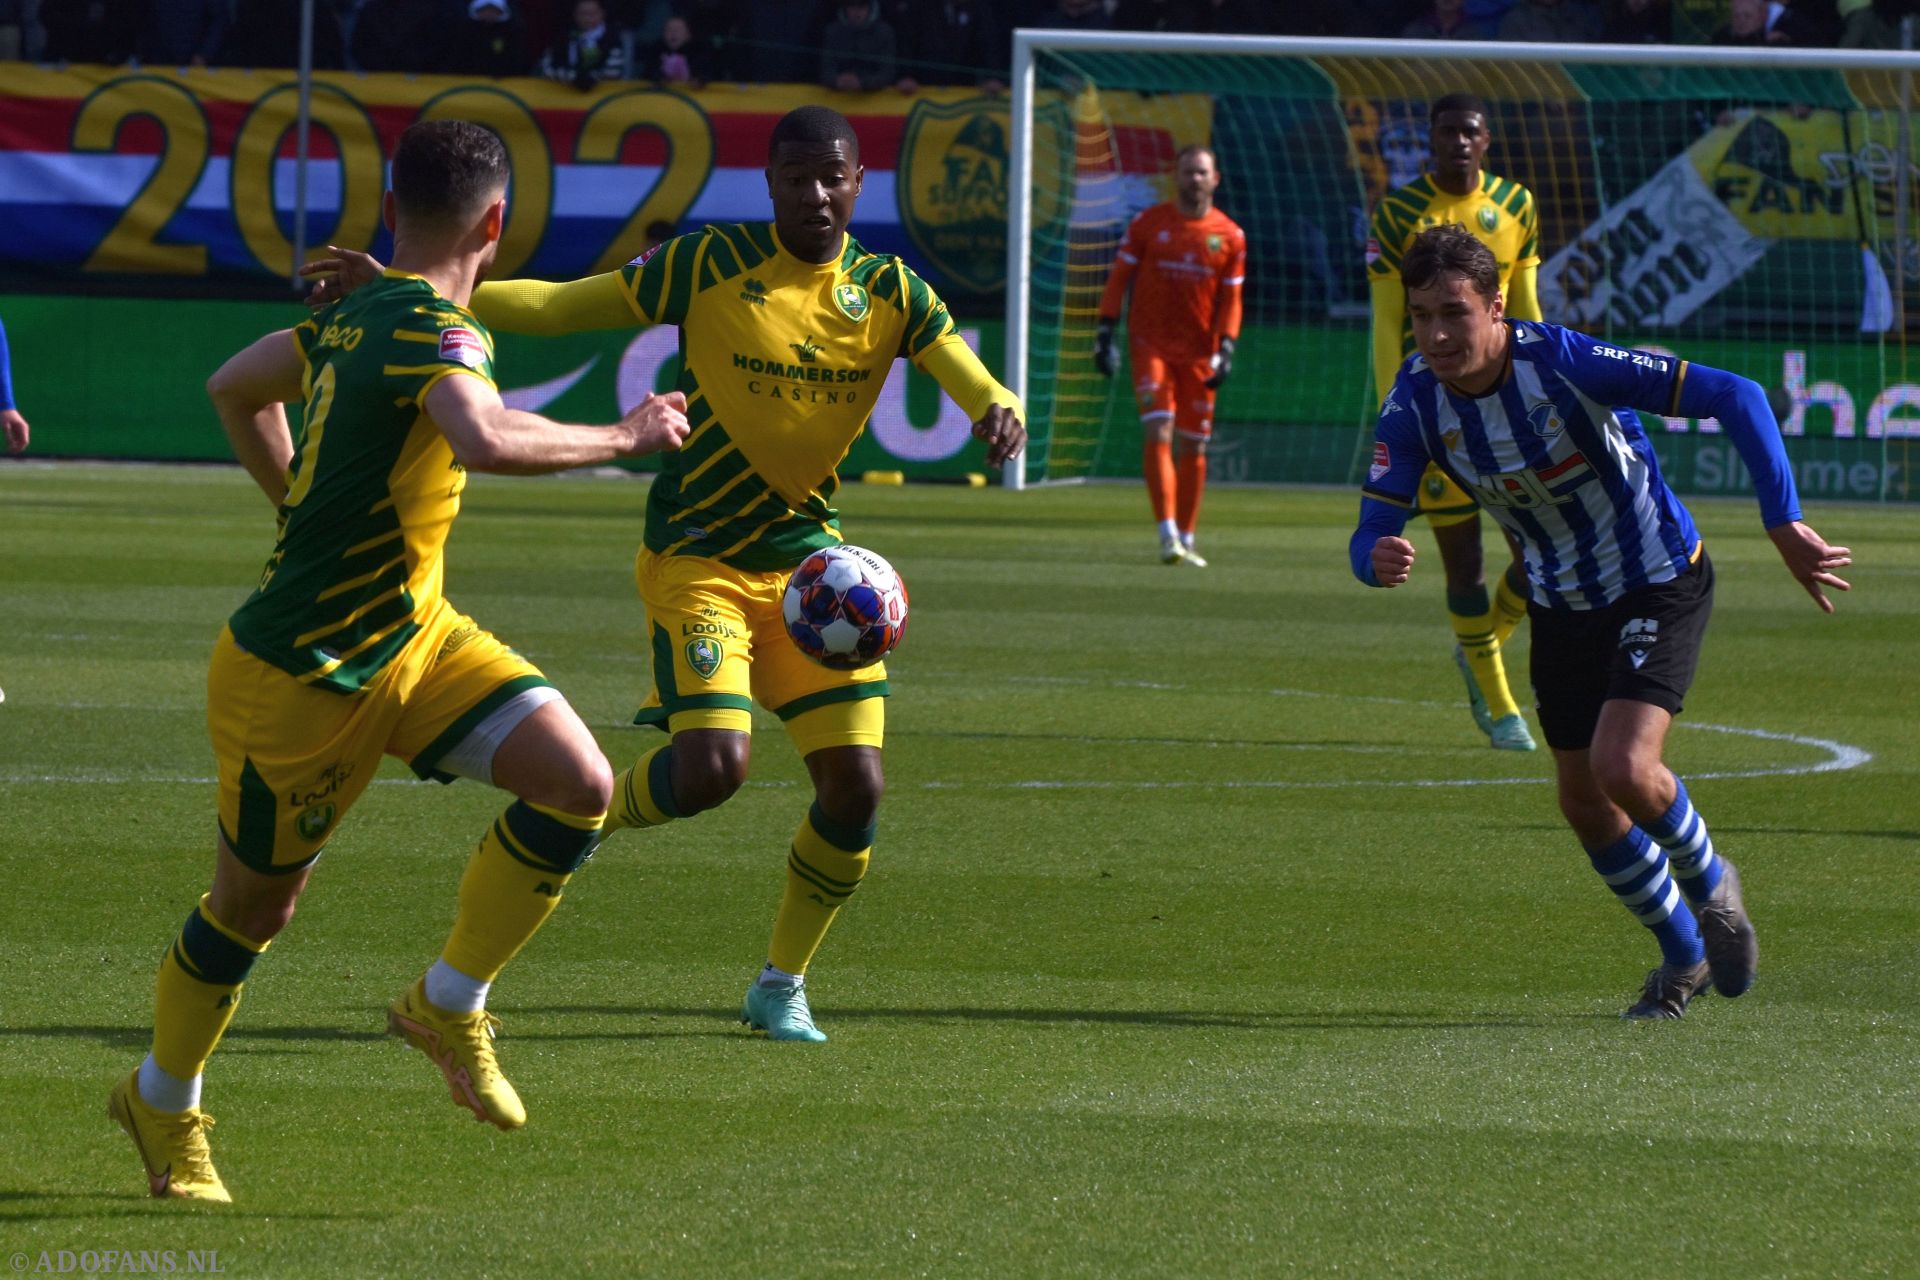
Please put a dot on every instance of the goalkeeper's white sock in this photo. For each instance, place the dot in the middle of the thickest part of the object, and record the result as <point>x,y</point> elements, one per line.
<point>1169,531</point>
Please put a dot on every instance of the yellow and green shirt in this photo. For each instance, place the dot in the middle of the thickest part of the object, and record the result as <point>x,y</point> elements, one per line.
<point>1499,213</point>
<point>781,362</point>
<point>372,489</point>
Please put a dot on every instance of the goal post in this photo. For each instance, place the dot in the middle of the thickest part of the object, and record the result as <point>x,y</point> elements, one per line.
<point>1748,210</point>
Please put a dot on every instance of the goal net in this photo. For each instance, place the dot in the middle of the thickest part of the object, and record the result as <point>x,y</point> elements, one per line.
<point>1753,218</point>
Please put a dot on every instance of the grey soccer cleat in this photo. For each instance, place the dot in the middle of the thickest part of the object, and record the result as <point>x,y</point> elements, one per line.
<point>1733,953</point>
<point>1668,991</point>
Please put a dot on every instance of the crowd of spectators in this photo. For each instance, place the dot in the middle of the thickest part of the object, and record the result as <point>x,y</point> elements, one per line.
<point>854,45</point>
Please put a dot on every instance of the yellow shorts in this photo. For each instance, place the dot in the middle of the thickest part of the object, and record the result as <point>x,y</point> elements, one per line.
<point>720,644</point>
<point>1442,501</point>
<point>293,759</point>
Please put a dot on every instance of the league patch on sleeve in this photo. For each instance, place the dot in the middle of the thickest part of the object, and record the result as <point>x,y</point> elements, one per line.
<point>641,261</point>
<point>1382,461</point>
<point>463,346</point>
<point>1373,250</point>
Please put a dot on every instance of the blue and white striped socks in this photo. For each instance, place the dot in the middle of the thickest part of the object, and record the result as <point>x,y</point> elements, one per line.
<point>1683,834</point>
<point>1636,870</point>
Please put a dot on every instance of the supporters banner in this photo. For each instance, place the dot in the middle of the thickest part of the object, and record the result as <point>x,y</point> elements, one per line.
<point>128,175</point>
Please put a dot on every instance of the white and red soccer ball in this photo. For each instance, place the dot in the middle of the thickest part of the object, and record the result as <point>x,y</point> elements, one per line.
<point>845,607</point>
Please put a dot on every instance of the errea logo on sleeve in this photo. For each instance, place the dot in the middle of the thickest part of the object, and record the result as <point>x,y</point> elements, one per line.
<point>463,346</point>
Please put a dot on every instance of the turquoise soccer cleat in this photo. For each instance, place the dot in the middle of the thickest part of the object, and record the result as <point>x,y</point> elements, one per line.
<point>781,1011</point>
<point>1476,701</point>
<point>1510,734</point>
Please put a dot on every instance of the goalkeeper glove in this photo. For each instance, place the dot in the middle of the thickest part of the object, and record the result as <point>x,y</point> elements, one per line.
<point>1222,364</point>
<point>1104,358</point>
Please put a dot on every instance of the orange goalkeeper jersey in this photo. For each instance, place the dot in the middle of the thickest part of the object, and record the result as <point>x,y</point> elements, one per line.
<point>1186,275</point>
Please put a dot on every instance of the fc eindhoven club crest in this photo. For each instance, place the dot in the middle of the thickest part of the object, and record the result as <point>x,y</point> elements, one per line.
<point>951,182</point>
<point>852,301</point>
<point>703,655</point>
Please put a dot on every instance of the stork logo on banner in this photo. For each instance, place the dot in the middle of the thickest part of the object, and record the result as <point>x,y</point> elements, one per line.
<point>951,183</point>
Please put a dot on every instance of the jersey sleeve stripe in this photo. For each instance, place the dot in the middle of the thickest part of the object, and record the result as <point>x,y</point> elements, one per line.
<point>681,268</point>
<point>446,371</point>
<point>1128,258</point>
<point>415,335</point>
<point>648,282</point>
<point>1392,500</point>
<point>723,259</point>
<point>1517,201</point>
<point>760,234</point>
<point>1679,381</point>
<point>360,548</point>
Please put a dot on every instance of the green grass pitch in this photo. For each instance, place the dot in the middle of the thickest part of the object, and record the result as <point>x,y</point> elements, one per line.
<point>1204,936</point>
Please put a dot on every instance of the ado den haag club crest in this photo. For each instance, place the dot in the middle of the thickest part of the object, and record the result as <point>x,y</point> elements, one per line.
<point>852,301</point>
<point>951,183</point>
<point>703,655</point>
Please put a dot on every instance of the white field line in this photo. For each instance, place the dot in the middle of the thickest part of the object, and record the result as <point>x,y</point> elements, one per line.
<point>1839,757</point>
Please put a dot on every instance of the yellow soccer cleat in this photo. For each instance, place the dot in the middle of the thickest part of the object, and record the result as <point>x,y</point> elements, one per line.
<point>461,1045</point>
<point>172,1144</point>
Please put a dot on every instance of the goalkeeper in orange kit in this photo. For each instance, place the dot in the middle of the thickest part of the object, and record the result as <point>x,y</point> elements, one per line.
<point>1184,262</point>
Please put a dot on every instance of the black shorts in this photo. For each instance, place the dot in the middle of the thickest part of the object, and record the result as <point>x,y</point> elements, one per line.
<point>1644,647</point>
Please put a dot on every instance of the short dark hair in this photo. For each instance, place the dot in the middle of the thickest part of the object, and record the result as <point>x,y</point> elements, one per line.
<point>1195,148</point>
<point>820,125</point>
<point>659,229</point>
<point>1458,102</point>
<point>446,171</point>
<point>1450,250</point>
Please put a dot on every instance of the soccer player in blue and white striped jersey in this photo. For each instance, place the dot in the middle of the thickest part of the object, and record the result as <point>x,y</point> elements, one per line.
<point>1537,423</point>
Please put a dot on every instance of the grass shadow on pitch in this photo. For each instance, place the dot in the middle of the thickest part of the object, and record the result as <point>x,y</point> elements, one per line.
<point>1911,838</point>
<point>19,1206</point>
<point>1304,1020</point>
<point>254,1038</point>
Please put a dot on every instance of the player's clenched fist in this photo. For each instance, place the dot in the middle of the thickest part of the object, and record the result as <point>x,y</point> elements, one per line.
<point>1392,561</point>
<point>658,424</point>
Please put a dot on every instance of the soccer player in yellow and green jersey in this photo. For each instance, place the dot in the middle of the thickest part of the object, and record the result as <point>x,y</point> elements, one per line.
<point>348,650</point>
<point>788,329</point>
<point>1500,214</point>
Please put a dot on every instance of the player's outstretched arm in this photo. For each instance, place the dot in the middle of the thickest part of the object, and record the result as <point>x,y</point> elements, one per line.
<point>249,392</point>
<point>1811,560</point>
<point>513,306</point>
<point>996,413</point>
<point>488,436</point>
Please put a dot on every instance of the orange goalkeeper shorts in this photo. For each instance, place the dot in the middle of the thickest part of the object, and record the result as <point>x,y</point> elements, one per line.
<point>1169,388</point>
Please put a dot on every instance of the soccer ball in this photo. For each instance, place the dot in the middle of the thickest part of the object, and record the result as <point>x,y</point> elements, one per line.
<point>845,607</point>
